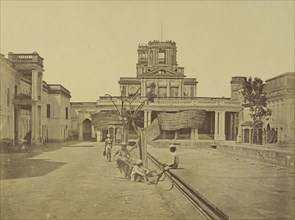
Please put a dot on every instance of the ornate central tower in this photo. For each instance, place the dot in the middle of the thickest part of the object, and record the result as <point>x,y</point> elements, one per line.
<point>157,55</point>
<point>157,66</point>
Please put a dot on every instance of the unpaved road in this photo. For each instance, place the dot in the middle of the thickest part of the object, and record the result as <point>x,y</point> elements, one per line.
<point>76,182</point>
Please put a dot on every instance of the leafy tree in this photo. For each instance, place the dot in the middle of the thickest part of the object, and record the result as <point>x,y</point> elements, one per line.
<point>255,99</point>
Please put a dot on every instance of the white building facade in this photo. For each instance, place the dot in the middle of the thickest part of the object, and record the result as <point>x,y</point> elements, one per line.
<point>30,106</point>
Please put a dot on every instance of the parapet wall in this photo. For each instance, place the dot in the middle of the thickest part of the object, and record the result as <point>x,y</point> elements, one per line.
<point>189,144</point>
<point>276,156</point>
<point>282,156</point>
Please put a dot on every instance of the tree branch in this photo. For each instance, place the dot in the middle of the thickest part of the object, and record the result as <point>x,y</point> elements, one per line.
<point>114,104</point>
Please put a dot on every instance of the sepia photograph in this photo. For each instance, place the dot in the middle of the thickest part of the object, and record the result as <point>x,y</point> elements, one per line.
<point>143,109</point>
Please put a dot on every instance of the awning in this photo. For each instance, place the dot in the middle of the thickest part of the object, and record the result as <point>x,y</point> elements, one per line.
<point>184,119</point>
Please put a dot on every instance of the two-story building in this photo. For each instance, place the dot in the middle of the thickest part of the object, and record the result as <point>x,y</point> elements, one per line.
<point>29,106</point>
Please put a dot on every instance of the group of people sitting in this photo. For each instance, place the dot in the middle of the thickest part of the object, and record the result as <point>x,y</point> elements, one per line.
<point>136,172</point>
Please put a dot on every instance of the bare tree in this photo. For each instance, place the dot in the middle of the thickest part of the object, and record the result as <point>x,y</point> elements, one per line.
<point>129,112</point>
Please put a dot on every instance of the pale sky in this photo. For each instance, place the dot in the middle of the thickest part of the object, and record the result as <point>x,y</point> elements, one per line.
<point>88,45</point>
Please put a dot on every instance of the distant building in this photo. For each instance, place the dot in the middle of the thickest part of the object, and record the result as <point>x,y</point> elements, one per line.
<point>281,100</point>
<point>82,128</point>
<point>29,106</point>
<point>279,128</point>
<point>225,118</point>
<point>157,66</point>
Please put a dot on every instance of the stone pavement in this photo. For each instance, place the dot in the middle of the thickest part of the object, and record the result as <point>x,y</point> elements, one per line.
<point>75,181</point>
<point>242,188</point>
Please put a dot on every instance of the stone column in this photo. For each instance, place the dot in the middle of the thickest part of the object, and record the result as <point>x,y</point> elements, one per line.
<point>231,126</point>
<point>39,128</point>
<point>17,132</point>
<point>40,86</point>
<point>168,56</point>
<point>34,85</point>
<point>236,124</point>
<point>216,126</point>
<point>149,117</point>
<point>34,124</point>
<point>93,133</point>
<point>219,133</point>
<point>145,119</point>
<point>98,136</point>
<point>222,125</point>
<point>143,88</point>
<point>168,88</point>
<point>194,134</point>
<point>80,127</point>
<point>155,57</point>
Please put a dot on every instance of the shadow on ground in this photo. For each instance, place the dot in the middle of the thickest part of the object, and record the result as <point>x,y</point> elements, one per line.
<point>19,165</point>
<point>27,168</point>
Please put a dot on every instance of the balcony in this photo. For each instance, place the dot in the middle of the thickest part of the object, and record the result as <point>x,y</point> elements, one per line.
<point>23,96</point>
<point>24,58</point>
<point>143,60</point>
<point>22,99</point>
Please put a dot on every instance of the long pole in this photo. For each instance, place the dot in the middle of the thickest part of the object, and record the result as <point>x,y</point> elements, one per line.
<point>162,32</point>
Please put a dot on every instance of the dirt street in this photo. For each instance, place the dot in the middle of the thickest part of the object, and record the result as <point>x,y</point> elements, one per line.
<point>76,182</point>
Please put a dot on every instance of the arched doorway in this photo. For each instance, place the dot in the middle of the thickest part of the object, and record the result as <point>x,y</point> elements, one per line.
<point>87,129</point>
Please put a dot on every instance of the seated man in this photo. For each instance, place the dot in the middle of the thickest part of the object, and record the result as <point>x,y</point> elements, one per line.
<point>123,159</point>
<point>139,172</point>
<point>174,162</point>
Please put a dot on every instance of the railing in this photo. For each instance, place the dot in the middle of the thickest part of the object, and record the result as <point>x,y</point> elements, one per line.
<point>23,57</point>
<point>161,60</point>
<point>175,100</point>
<point>22,96</point>
<point>117,99</point>
<point>143,60</point>
<point>33,57</point>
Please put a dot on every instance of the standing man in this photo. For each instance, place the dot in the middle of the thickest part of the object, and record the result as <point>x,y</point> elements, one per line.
<point>108,147</point>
